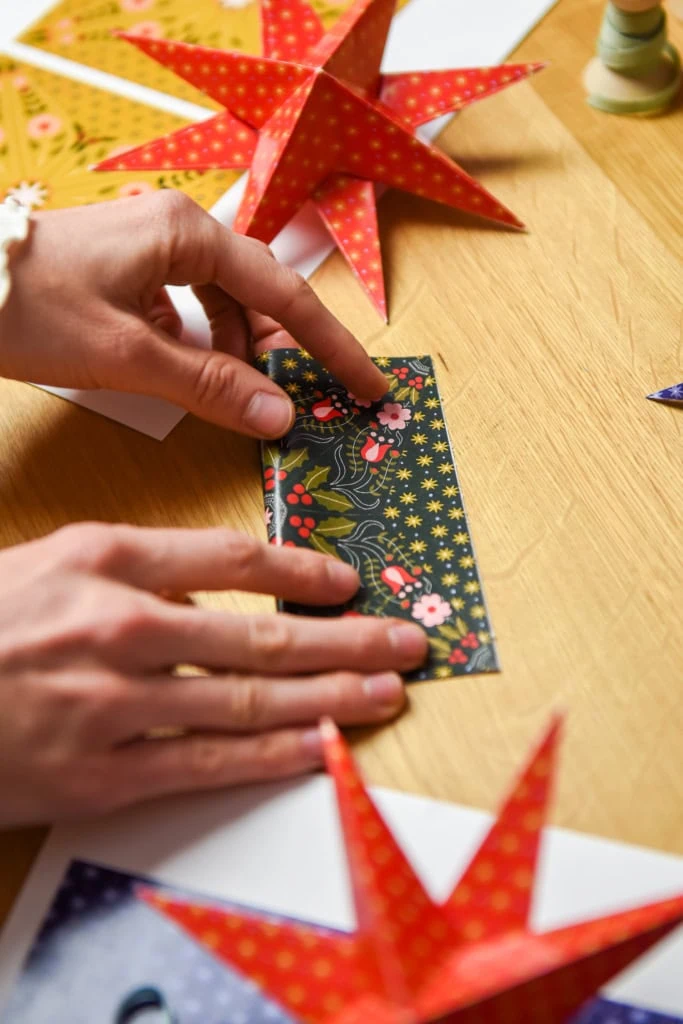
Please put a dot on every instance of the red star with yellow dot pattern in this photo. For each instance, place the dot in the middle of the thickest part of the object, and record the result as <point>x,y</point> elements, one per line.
<point>472,959</point>
<point>314,118</point>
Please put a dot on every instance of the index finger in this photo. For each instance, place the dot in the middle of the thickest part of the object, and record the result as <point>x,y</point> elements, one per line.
<point>204,252</point>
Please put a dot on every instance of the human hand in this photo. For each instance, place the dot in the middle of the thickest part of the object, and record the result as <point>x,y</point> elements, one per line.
<point>87,650</point>
<point>88,309</point>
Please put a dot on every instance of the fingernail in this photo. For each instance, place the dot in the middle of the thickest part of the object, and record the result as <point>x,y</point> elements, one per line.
<point>312,743</point>
<point>385,688</point>
<point>269,415</point>
<point>341,575</point>
<point>409,642</point>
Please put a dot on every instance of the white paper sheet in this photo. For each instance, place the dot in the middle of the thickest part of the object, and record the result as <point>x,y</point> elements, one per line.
<point>425,34</point>
<point>279,847</point>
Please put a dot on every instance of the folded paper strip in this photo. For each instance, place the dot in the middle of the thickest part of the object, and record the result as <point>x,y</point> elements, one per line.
<point>472,957</point>
<point>673,394</point>
<point>314,118</point>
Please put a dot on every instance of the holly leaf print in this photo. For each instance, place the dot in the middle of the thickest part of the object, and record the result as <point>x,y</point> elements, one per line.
<point>316,476</point>
<point>335,527</point>
<point>332,501</point>
<point>294,459</point>
<point>323,546</point>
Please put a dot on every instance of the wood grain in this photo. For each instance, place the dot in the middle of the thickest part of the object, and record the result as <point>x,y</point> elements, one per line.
<point>546,343</point>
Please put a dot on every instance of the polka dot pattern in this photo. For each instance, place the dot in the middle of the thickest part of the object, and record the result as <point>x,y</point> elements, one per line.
<point>410,961</point>
<point>353,48</point>
<point>349,209</point>
<point>420,96</point>
<point>220,142</point>
<point>494,894</point>
<point>290,28</point>
<point>252,88</point>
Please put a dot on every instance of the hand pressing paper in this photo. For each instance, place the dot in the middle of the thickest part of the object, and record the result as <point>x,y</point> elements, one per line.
<point>376,485</point>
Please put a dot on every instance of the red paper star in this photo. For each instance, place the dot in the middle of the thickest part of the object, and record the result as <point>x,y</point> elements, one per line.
<point>472,959</point>
<point>315,119</point>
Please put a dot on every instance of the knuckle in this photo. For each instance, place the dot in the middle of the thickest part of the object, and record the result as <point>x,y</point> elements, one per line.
<point>170,206</point>
<point>268,640</point>
<point>205,761</point>
<point>242,552</point>
<point>126,626</point>
<point>215,382</point>
<point>248,705</point>
<point>88,546</point>
<point>294,289</point>
<point>370,640</point>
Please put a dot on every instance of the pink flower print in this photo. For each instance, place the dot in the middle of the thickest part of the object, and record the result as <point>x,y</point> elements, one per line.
<point>136,5</point>
<point>362,402</point>
<point>431,610</point>
<point>65,24</point>
<point>135,188</point>
<point>21,82</point>
<point>44,126</point>
<point>394,416</point>
<point>147,30</point>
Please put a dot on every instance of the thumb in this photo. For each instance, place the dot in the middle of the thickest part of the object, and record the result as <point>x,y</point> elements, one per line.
<point>215,386</point>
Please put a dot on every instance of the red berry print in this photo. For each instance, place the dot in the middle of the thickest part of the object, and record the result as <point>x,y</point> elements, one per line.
<point>457,658</point>
<point>470,641</point>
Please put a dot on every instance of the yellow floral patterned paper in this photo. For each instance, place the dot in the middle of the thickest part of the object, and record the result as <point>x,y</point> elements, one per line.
<point>81,30</point>
<point>52,129</point>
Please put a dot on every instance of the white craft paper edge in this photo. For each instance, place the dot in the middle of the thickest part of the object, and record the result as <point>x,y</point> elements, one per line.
<point>425,34</point>
<point>278,847</point>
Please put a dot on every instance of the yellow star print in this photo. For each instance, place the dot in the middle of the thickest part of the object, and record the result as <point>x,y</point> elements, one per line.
<point>382,361</point>
<point>445,467</point>
<point>404,474</point>
<point>466,562</point>
<point>434,505</point>
<point>444,554</point>
<point>437,424</point>
<point>409,498</point>
<point>413,521</point>
<point>450,579</point>
<point>425,460</point>
<point>457,603</point>
<point>418,546</point>
<point>293,388</point>
<point>419,416</point>
<point>461,538</point>
<point>472,587</point>
<point>432,403</point>
<point>455,513</point>
<point>477,611</point>
<point>290,363</point>
<point>391,512</point>
<point>429,483</point>
<point>439,531</point>
<point>419,439</point>
<point>440,447</point>
<point>310,376</point>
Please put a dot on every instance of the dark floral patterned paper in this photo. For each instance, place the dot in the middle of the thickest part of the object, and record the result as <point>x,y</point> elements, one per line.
<point>376,485</point>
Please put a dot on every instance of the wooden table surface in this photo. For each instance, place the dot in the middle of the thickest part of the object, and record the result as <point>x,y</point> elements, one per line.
<point>572,480</point>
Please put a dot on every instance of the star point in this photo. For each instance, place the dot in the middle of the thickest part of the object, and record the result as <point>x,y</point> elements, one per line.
<point>318,101</point>
<point>412,960</point>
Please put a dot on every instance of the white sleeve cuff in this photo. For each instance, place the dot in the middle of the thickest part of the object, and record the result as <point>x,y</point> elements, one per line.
<point>14,226</point>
